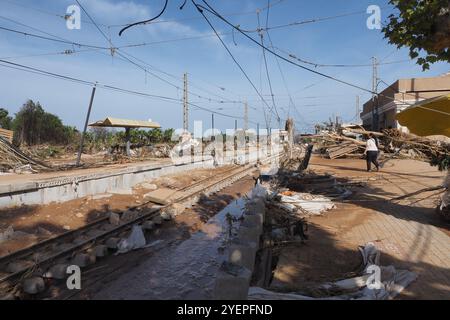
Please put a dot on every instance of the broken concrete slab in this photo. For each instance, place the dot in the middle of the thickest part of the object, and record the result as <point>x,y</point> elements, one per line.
<point>161,196</point>
<point>148,186</point>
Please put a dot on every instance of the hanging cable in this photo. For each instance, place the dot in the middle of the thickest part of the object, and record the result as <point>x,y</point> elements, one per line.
<point>149,20</point>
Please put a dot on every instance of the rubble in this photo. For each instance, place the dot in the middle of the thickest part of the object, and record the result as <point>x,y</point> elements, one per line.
<point>304,203</point>
<point>33,285</point>
<point>392,283</point>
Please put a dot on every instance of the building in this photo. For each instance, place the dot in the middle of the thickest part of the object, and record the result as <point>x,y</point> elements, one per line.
<point>398,96</point>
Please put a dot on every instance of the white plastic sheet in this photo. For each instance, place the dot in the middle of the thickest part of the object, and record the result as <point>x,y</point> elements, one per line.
<point>135,240</point>
<point>306,202</point>
<point>258,192</point>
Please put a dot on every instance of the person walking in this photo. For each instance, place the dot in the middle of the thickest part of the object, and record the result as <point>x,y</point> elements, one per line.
<point>371,153</point>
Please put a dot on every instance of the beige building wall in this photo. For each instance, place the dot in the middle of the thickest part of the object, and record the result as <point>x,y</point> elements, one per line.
<point>401,94</point>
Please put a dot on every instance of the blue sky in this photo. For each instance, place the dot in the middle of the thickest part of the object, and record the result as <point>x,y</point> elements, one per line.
<point>212,73</point>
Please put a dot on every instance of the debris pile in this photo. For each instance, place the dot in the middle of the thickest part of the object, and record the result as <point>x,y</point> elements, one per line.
<point>302,203</point>
<point>369,285</point>
<point>13,159</point>
<point>348,142</point>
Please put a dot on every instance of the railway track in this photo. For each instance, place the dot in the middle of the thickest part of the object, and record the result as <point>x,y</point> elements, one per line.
<point>35,260</point>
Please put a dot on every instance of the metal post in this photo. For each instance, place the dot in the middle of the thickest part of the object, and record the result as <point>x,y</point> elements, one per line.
<point>213,137</point>
<point>235,140</point>
<point>185,105</point>
<point>374,94</point>
<point>128,143</point>
<point>86,125</point>
<point>257,141</point>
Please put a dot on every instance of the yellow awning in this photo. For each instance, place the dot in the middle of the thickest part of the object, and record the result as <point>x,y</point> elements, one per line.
<point>428,117</point>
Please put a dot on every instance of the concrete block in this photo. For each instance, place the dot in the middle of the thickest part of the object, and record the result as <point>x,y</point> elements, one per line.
<point>83,260</point>
<point>18,265</point>
<point>175,209</point>
<point>114,219</point>
<point>58,271</point>
<point>253,221</point>
<point>33,285</point>
<point>166,216</point>
<point>157,220</point>
<point>112,243</point>
<point>161,196</point>
<point>232,282</point>
<point>248,234</point>
<point>148,186</point>
<point>101,251</point>
<point>148,225</point>
<point>129,215</point>
<point>243,254</point>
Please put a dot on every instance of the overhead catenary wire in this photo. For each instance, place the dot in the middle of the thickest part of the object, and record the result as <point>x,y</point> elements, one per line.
<point>274,106</point>
<point>211,10</point>
<point>291,102</point>
<point>234,59</point>
<point>215,13</point>
<point>113,51</point>
<point>29,69</point>
<point>315,64</point>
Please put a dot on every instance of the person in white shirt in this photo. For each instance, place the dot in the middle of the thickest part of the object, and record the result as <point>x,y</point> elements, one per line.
<point>371,153</point>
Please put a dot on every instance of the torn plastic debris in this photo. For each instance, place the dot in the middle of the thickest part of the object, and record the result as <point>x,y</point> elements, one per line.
<point>258,192</point>
<point>306,202</point>
<point>135,240</point>
<point>393,282</point>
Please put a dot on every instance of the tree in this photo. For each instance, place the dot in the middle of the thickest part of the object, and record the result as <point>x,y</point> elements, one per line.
<point>167,135</point>
<point>32,125</point>
<point>424,27</point>
<point>5,119</point>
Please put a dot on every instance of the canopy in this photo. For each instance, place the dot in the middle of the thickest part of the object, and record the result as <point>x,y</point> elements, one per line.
<point>428,117</point>
<point>124,123</point>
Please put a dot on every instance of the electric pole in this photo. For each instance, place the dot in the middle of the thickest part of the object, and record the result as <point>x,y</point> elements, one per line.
<point>246,126</point>
<point>357,108</point>
<point>185,105</point>
<point>374,94</point>
<point>80,151</point>
<point>245,117</point>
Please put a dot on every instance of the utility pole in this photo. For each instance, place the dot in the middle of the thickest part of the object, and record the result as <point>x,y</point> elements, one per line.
<point>374,94</point>
<point>357,108</point>
<point>185,105</point>
<point>246,116</point>
<point>257,141</point>
<point>246,127</point>
<point>86,124</point>
<point>213,137</point>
